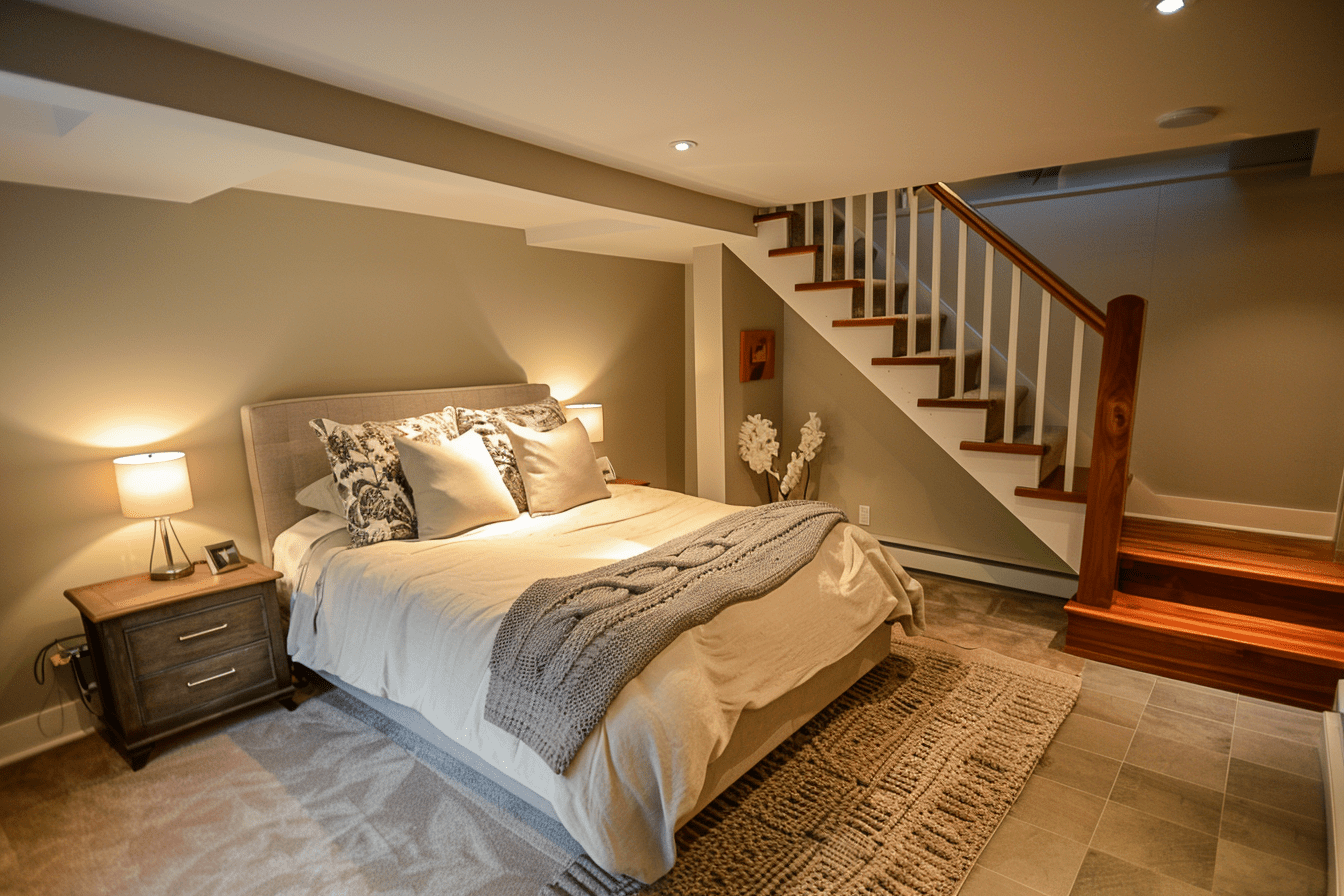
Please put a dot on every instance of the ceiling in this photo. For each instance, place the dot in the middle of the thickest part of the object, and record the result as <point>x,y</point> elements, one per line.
<point>787,101</point>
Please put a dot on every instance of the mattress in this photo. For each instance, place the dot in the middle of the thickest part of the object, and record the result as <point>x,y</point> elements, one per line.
<point>414,621</point>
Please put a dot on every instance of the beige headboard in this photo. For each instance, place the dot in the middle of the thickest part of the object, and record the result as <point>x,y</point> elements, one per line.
<point>284,454</point>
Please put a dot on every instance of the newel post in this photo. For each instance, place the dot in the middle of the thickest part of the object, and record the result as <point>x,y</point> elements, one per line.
<point>1109,476</point>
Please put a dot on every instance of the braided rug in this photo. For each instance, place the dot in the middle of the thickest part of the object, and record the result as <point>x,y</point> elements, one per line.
<point>895,788</point>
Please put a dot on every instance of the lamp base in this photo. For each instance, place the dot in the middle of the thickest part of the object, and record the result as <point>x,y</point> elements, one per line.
<point>176,571</point>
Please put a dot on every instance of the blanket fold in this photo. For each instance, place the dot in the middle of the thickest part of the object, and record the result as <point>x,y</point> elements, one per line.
<point>568,645</point>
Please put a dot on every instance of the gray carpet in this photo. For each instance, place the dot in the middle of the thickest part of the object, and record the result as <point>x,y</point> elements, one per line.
<point>334,798</point>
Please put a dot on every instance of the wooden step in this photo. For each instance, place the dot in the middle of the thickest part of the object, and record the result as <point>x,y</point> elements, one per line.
<point>994,404</point>
<point>1050,451</point>
<point>1052,487</point>
<point>856,304</point>
<point>1280,577</point>
<point>1266,658</point>
<point>946,362</point>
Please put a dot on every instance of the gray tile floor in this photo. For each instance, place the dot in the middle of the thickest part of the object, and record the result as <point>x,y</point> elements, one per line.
<point>1152,787</point>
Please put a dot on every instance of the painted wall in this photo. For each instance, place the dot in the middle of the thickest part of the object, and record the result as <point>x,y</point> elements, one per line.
<point>131,325</point>
<point>1243,359</point>
<point>748,304</point>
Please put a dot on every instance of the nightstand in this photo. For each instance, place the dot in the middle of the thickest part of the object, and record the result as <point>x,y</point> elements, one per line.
<point>169,655</point>
<point>628,482</point>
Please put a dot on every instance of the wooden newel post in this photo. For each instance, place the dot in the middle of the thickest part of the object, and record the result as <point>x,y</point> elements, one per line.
<point>1109,476</point>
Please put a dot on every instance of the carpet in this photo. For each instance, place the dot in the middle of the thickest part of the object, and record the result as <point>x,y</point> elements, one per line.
<point>895,788</point>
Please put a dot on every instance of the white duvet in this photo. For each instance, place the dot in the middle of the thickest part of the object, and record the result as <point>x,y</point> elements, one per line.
<point>414,621</point>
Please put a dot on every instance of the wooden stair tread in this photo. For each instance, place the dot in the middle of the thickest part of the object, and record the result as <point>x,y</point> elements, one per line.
<point>1251,555</point>
<point>887,320</point>
<point>793,250</point>
<point>996,396</point>
<point>1052,487</point>
<point>1051,436</point>
<point>830,284</point>
<point>771,216</point>
<point>1269,636</point>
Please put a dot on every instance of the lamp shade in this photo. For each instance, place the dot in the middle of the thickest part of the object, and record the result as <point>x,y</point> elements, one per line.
<point>153,484</point>
<point>591,415</point>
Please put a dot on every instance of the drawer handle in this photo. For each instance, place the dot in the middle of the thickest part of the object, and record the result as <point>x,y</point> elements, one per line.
<point>218,628</point>
<point>192,684</point>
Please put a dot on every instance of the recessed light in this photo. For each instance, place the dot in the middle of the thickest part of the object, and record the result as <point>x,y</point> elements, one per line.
<point>1167,7</point>
<point>682,145</point>
<point>1184,118</point>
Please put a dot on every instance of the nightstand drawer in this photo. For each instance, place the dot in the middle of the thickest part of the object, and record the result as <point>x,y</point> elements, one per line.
<point>183,639</point>
<point>190,687</point>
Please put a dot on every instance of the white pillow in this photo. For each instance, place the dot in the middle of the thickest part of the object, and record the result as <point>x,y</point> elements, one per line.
<point>455,486</point>
<point>322,495</point>
<point>558,467</point>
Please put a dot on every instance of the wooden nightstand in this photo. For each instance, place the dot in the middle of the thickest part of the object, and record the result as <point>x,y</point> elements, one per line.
<point>173,654</point>
<point>628,482</point>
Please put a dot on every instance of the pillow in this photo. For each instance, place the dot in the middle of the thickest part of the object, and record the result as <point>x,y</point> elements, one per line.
<point>375,496</point>
<point>322,495</point>
<point>456,485</point>
<point>558,468</point>
<point>544,415</point>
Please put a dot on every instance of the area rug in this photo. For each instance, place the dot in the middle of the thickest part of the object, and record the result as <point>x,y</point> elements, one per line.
<point>893,789</point>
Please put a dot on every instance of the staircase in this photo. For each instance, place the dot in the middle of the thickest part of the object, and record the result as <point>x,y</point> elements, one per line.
<point>1261,615</point>
<point>935,363</point>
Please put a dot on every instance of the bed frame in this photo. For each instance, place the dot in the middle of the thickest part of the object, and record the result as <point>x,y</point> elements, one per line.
<point>284,455</point>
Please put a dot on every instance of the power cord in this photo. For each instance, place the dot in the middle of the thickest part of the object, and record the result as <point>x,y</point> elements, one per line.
<point>68,656</point>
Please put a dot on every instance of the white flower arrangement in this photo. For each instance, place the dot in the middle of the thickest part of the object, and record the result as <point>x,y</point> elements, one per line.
<point>757,445</point>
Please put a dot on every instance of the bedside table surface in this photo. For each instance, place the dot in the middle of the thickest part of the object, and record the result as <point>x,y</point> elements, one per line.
<point>131,594</point>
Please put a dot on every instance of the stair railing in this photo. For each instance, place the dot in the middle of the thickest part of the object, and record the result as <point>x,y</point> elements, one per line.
<point>1120,326</point>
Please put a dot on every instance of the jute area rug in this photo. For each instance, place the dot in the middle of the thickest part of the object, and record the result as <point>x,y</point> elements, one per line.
<point>894,789</point>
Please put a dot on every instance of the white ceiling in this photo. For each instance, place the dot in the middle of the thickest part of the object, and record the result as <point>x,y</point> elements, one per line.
<point>788,101</point>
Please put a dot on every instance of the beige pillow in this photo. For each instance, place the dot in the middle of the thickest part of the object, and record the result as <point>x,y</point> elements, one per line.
<point>322,495</point>
<point>558,468</point>
<point>456,486</point>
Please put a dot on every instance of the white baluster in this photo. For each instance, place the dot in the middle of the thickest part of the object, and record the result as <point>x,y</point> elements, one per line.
<point>809,232</point>
<point>1010,405</point>
<point>986,345</point>
<point>828,238</point>
<point>868,255</point>
<point>936,303</point>
<point>960,389</point>
<point>1041,355</point>
<point>851,225</point>
<point>1075,387</point>
<point>891,253</point>
<point>912,293</point>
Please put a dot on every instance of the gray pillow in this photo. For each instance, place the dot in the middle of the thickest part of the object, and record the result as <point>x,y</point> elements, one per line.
<point>558,467</point>
<point>456,485</point>
<point>322,495</point>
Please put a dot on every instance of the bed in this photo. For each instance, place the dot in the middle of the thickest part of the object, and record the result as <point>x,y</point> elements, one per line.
<point>407,625</point>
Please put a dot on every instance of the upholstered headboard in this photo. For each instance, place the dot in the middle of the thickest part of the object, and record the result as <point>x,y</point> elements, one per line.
<point>284,454</point>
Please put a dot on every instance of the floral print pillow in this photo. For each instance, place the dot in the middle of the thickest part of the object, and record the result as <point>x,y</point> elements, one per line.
<point>378,502</point>
<point>544,416</point>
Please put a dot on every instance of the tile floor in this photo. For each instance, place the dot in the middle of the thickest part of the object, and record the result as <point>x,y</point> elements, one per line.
<point>1152,787</point>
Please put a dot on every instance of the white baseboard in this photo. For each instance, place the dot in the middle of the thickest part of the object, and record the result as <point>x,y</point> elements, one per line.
<point>43,730</point>
<point>978,569</point>
<point>1142,501</point>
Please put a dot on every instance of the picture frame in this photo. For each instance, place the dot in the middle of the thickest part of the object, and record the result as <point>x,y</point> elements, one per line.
<point>757,356</point>
<point>223,557</point>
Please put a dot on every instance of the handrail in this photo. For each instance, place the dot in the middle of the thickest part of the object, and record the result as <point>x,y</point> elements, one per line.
<point>1090,314</point>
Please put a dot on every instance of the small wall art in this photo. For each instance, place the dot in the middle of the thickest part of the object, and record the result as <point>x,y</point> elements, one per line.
<point>757,356</point>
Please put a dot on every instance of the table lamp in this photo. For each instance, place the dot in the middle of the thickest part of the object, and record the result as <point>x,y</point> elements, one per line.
<point>591,415</point>
<point>156,485</point>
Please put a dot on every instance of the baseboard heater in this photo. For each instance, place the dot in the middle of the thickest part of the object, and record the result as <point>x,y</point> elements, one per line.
<point>1332,773</point>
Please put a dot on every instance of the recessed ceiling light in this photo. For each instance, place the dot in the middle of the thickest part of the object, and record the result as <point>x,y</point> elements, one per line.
<point>1167,7</point>
<point>1184,118</point>
<point>682,145</point>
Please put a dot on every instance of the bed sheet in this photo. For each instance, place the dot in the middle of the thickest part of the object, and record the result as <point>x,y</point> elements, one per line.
<point>414,621</point>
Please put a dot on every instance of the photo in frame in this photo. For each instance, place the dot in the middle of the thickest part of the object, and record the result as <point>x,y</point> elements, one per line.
<point>757,356</point>
<point>223,557</point>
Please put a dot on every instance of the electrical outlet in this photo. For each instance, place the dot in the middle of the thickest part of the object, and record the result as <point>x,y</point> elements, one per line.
<point>863,514</point>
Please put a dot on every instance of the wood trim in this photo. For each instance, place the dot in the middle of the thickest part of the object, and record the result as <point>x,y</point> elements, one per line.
<point>887,321</point>
<point>1091,315</point>
<point>982,404</point>
<point>1004,448</point>
<point>771,216</point>
<point>1051,494</point>
<point>793,250</point>
<point>829,284</point>
<point>917,361</point>
<point>1117,387</point>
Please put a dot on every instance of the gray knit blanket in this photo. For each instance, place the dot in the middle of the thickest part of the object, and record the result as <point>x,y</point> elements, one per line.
<point>568,645</point>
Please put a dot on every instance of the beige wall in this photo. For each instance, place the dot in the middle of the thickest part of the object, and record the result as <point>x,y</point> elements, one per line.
<point>1243,358</point>
<point>132,324</point>
<point>748,304</point>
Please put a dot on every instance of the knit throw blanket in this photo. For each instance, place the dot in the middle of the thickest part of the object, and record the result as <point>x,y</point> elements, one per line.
<point>568,645</point>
